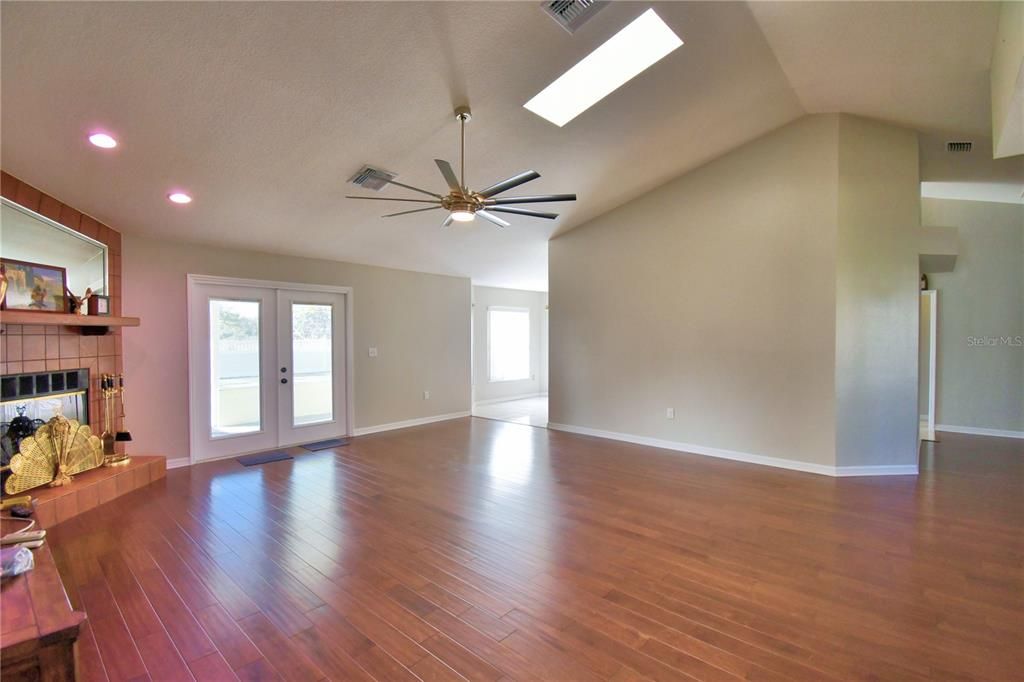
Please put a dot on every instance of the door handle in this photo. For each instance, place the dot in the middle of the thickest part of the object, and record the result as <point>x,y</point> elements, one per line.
<point>284,381</point>
<point>284,369</point>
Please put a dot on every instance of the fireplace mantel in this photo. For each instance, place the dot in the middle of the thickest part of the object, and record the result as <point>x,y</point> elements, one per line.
<point>65,320</point>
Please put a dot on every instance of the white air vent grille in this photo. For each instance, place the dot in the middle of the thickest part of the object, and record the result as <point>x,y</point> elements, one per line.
<point>372,178</point>
<point>571,14</point>
<point>957,147</point>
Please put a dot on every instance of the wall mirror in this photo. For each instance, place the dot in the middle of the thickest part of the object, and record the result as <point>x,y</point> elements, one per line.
<point>27,236</point>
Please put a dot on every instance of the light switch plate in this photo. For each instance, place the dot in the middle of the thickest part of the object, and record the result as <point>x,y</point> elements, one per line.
<point>670,413</point>
<point>373,351</point>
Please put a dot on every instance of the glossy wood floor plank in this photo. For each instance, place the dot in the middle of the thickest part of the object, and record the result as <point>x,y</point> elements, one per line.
<point>481,550</point>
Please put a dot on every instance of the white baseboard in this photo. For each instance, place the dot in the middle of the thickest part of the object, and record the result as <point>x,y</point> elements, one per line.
<point>978,431</point>
<point>366,430</point>
<point>877,470</point>
<point>764,460</point>
<point>493,401</point>
<point>178,463</point>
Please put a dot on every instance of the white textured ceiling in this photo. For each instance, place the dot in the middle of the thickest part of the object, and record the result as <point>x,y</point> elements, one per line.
<point>263,110</point>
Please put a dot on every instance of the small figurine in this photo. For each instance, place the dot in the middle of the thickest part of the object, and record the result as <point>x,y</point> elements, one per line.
<point>78,304</point>
<point>3,286</point>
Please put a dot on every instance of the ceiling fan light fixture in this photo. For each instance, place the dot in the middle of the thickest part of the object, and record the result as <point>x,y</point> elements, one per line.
<point>463,204</point>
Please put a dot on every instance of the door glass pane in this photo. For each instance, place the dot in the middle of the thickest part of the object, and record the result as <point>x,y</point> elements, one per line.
<point>313,395</point>
<point>234,367</point>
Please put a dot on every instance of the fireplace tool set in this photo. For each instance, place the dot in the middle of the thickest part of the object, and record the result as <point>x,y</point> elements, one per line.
<point>112,391</point>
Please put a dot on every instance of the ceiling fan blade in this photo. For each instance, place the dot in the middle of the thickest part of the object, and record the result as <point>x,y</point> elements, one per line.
<point>492,218</point>
<point>531,200</point>
<point>447,221</point>
<point>414,189</point>
<point>506,185</point>
<point>449,175</point>
<point>415,210</point>
<point>522,211</point>
<point>415,201</point>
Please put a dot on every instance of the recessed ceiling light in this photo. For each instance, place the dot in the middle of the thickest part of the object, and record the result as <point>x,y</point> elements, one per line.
<point>103,140</point>
<point>179,198</point>
<point>626,54</point>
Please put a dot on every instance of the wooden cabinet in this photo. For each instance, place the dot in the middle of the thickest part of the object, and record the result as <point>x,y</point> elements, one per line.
<point>38,626</point>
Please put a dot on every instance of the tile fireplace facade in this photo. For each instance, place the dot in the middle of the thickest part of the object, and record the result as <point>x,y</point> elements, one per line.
<point>36,348</point>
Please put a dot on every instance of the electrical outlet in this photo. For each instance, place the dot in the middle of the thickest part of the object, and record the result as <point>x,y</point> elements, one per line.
<point>426,395</point>
<point>373,351</point>
<point>670,413</point>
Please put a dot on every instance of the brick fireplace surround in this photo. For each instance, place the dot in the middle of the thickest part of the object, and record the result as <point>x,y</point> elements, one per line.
<point>32,348</point>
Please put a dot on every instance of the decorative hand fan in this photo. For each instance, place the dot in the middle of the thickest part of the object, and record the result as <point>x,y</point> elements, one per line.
<point>59,449</point>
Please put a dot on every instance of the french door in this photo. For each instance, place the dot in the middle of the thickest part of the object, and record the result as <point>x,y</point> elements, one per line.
<point>268,365</point>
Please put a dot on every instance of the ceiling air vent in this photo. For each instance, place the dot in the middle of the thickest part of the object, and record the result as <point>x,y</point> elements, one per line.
<point>571,14</point>
<point>957,147</point>
<point>369,177</point>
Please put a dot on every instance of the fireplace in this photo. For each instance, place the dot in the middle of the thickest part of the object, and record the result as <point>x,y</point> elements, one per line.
<point>27,401</point>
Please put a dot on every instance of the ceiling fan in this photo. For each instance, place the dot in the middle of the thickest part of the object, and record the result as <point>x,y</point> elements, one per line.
<point>464,204</point>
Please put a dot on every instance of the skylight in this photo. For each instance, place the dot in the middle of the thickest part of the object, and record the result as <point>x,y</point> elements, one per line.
<point>623,56</point>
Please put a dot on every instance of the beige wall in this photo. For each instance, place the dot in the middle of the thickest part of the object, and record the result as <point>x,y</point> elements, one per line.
<point>980,385</point>
<point>1005,81</point>
<point>484,297</point>
<point>715,295</point>
<point>877,291</point>
<point>419,323</point>
<point>770,297</point>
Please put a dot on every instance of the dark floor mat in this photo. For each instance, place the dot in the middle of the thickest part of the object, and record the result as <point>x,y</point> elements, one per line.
<point>263,458</point>
<point>326,444</point>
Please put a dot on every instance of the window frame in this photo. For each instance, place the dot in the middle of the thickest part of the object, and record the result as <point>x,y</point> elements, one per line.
<point>529,350</point>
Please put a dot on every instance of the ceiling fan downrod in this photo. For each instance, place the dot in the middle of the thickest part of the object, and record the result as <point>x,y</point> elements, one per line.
<point>463,115</point>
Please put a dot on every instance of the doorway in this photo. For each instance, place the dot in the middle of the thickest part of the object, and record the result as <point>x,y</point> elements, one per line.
<point>270,365</point>
<point>510,349</point>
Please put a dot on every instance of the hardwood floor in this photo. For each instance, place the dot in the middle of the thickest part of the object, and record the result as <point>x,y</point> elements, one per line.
<point>483,550</point>
<point>529,411</point>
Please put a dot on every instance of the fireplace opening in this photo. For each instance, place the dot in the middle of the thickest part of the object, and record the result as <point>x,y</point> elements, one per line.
<point>27,401</point>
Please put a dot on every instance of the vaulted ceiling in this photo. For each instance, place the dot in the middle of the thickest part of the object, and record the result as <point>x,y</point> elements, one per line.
<point>263,110</point>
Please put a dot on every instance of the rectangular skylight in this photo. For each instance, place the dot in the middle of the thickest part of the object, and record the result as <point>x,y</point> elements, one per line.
<point>623,56</point>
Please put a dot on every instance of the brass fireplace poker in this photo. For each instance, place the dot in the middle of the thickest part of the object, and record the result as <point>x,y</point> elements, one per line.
<point>112,386</point>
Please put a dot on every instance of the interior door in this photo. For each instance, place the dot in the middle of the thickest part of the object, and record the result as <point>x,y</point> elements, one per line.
<point>311,366</point>
<point>234,402</point>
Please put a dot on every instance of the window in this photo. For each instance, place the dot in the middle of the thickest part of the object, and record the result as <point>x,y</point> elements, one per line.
<point>234,367</point>
<point>508,344</point>
<point>312,363</point>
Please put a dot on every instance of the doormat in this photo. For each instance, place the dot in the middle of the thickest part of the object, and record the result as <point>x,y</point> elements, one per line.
<point>263,458</point>
<point>326,444</point>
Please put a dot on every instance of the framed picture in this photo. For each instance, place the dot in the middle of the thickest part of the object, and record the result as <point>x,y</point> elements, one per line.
<point>99,305</point>
<point>34,286</point>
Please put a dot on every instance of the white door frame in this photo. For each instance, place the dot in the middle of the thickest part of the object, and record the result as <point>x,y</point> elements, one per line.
<point>193,280</point>
<point>933,307</point>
